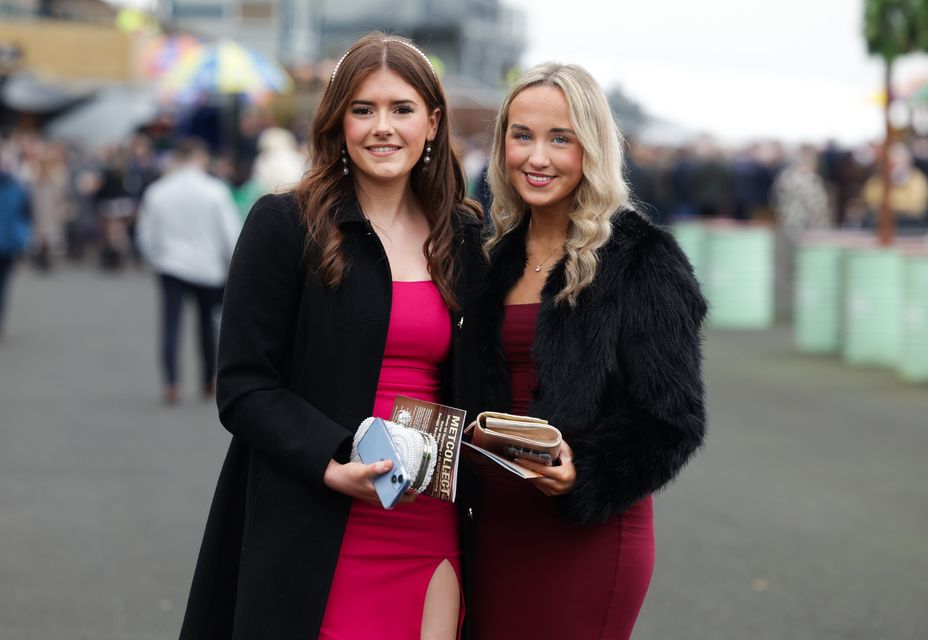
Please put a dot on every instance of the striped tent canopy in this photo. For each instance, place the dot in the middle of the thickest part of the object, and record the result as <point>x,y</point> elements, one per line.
<point>225,67</point>
<point>164,52</point>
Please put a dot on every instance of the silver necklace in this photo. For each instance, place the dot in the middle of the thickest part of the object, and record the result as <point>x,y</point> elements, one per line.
<point>541,264</point>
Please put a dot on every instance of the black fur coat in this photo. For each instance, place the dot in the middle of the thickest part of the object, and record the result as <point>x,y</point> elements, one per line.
<point>619,374</point>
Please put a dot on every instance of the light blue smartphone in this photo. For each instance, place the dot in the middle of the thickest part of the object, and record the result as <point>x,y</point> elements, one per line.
<point>377,445</point>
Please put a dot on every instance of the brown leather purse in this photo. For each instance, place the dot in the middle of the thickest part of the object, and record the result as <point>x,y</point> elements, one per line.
<point>511,436</point>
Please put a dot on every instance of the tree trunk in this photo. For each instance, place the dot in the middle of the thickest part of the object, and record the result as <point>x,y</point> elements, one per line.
<point>885,217</point>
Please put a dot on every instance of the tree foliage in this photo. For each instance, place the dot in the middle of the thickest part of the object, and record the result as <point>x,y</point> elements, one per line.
<point>894,28</point>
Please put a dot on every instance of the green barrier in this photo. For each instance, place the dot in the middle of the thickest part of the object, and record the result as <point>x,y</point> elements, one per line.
<point>691,236</point>
<point>817,327</point>
<point>873,307</point>
<point>913,360</point>
<point>739,277</point>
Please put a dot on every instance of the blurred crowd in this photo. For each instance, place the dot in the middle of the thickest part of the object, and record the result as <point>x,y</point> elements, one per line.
<point>793,188</point>
<point>84,204</point>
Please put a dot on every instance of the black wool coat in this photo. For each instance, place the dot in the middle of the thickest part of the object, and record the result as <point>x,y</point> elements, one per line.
<point>298,370</point>
<point>620,373</point>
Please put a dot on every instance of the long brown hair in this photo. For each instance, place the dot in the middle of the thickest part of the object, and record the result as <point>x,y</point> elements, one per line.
<point>439,185</point>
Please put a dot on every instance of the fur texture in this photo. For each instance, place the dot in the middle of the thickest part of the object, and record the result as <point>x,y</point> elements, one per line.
<point>619,374</point>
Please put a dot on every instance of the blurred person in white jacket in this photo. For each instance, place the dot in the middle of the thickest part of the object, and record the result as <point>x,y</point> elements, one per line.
<point>187,229</point>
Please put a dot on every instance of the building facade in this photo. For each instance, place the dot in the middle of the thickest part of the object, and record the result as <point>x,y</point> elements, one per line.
<point>95,11</point>
<point>45,35</point>
<point>474,39</point>
<point>279,28</point>
<point>479,40</point>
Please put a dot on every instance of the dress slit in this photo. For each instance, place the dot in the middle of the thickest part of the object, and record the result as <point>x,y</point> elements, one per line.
<point>388,558</point>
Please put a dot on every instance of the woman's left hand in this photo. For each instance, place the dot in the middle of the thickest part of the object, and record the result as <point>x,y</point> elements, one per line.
<point>555,481</point>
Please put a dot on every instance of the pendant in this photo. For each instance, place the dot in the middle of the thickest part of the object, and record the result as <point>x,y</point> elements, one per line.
<point>538,268</point>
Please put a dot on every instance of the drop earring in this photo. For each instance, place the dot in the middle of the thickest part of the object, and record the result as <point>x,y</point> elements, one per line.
<point>427,158</point>
<point>344,162</point>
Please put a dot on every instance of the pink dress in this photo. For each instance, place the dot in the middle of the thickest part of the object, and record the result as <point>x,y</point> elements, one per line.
<point>387,558</point>
<point>537,575</point>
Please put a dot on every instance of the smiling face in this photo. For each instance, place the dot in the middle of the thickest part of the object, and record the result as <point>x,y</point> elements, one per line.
<point>386,127</point>
<point>544,159</point>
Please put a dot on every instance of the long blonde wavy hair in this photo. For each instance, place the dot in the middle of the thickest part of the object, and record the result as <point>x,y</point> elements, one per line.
<point>602,190</point>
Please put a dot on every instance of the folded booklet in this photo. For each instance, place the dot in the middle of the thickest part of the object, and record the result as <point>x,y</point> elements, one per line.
<point>443,423</point>
<point>502,437</point>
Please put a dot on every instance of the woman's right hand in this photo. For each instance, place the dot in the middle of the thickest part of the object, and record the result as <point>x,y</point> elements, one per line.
<point>356,480</point>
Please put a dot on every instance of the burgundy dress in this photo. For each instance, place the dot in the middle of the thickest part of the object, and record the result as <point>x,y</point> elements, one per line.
<point>387,558</point>
<point>537,575</point>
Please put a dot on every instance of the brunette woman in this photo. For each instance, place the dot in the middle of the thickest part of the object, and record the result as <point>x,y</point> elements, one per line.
<point>341,295</point>
<point>592,318</point>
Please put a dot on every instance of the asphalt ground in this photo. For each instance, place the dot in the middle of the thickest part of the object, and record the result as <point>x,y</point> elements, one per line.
<point>805,516</point>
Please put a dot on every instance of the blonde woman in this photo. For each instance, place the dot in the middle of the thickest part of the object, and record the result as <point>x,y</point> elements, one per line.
<point>592,318</point>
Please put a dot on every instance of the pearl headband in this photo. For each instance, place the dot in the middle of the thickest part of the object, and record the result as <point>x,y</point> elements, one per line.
<point>391,39</point>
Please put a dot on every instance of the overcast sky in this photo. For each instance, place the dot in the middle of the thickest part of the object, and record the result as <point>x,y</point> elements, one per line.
<point>796,69</point>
